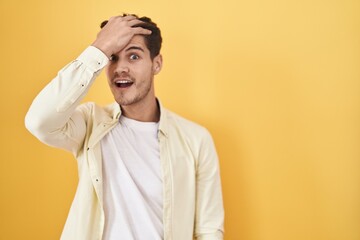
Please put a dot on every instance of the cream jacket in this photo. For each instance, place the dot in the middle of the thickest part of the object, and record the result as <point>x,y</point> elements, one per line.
<point>192,198</point>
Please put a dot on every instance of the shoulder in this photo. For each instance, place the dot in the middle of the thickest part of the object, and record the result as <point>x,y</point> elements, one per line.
<point>185,135</point>
<point>185,126</point>
<point>99,113</point>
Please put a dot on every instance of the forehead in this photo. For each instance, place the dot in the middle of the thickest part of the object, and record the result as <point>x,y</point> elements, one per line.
<point>137,41</point>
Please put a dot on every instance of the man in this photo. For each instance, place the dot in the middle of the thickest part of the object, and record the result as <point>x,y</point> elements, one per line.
<point>144,172</point>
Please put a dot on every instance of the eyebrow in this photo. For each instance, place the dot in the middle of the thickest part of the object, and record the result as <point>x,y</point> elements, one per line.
<point>134,48</point>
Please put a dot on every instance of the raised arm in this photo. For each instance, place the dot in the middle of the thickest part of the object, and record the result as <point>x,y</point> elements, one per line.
<point>54,117</point>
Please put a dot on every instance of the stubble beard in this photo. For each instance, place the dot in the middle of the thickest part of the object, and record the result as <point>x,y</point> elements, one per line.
<point>141,93</point>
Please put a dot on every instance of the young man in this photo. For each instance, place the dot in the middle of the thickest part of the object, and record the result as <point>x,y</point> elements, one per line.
<point>144,172</point>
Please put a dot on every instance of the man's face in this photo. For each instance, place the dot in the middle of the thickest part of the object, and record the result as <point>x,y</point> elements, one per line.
<point>131,73</point>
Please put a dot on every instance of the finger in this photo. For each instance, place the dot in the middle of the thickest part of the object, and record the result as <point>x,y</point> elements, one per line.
<point>134,22</point>
<point>128,17</point>
<point>122,18</point>
<point>141,31</point>
<point>113,18</point>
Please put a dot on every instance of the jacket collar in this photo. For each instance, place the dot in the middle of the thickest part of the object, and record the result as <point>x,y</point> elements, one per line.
<point>163,123</point>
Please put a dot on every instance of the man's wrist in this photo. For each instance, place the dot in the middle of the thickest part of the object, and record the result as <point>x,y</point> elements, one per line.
<point>93,58</point>
<point>102,48</point>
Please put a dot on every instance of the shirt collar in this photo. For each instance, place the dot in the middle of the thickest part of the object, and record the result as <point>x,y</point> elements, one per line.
<point>163,123</point>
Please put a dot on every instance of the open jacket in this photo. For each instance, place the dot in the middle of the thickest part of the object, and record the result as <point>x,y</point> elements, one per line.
<point>192,198</point>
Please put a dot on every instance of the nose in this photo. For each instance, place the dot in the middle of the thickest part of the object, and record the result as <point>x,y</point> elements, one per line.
<point>121,67</point>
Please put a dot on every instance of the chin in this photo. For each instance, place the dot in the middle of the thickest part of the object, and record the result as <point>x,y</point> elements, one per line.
<point>125,102</point>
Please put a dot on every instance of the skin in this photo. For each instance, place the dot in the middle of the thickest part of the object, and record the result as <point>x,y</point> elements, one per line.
<point>130,61</point>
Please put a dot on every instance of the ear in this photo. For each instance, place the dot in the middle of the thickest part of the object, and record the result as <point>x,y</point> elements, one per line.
<point>157,64</point>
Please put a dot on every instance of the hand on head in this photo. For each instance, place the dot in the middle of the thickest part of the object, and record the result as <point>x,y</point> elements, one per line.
<point>117,33</point>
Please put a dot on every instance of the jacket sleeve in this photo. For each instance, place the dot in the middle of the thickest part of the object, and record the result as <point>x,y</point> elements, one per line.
<point>54,117</point>
<point>209,218</point>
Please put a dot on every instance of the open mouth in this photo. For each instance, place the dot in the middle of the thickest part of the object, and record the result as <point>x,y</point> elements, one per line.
<point>123,83</point>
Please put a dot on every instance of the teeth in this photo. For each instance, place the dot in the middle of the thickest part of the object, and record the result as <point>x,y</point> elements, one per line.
<point>123,81</point>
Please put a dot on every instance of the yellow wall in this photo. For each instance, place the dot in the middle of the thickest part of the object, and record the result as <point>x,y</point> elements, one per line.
<point>276,82</point>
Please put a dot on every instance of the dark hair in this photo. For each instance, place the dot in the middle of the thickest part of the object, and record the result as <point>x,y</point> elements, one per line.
<point>152,41</point>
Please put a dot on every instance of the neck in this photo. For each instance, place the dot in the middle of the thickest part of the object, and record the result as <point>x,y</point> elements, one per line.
<point>148,112</point>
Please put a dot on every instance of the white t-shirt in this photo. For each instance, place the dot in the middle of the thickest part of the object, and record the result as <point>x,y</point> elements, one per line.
<point>132,182</point>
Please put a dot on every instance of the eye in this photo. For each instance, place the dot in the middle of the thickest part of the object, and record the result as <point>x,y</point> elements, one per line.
<point>113,58</point>
<point>134,57</point>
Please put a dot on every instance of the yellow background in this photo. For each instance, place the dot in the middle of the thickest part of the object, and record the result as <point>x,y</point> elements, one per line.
<point>277,83</point>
